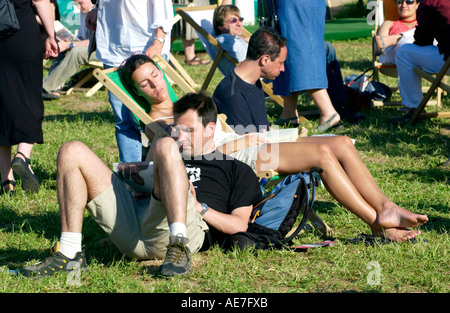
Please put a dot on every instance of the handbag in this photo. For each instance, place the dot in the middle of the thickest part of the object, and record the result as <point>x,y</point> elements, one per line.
<point>360,91</point>
<point>9,23</point>
<point>267,17</point>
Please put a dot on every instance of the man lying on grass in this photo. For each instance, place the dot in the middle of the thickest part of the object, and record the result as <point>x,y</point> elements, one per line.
<point>204,189</point>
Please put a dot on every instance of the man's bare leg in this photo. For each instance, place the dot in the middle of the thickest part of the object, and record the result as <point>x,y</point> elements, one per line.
<point>171,185</point>
<point>81,176</point>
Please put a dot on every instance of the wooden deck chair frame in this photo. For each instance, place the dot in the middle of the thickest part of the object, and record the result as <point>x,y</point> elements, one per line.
<point>172,58</point>
<point>79,85</point>
<point>127,99</point>
<point>387,10</point>
<point>436,82</point>
<point>184,13</point>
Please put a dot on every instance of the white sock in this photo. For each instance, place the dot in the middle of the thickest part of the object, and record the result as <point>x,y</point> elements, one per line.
<point>177,229</point>
<point>70,244</point>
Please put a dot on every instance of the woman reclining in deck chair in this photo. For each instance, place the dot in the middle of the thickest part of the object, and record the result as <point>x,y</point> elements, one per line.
<point>344,175</point>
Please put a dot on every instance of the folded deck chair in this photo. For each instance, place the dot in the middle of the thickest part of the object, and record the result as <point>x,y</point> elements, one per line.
<point>200,18</point>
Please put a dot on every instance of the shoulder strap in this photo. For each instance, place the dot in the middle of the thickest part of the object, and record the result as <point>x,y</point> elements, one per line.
<point>313,183</point>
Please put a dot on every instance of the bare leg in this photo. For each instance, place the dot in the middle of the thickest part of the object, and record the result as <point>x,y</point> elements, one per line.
<point>290,106</point>
<point>292,158</point>
<point>81,177</point>
<point>170,179</point>
<point>389,214</point>
<point>5,166</point>
<point>320,98</point>
<point>323,102</point>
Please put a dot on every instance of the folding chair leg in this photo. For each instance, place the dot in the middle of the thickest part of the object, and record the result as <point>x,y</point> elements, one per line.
<point>80,83</point>
<point>94,89</point>
<point>435,84</point>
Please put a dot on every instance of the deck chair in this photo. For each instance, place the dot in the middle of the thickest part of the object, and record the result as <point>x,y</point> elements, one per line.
<point>200,18</point>
<point>79,85</point>
<point>436,83</point>
<point>387,10</point>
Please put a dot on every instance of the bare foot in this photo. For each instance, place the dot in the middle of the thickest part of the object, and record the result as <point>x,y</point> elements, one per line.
<point>396,216</point>
<point>397,234</point>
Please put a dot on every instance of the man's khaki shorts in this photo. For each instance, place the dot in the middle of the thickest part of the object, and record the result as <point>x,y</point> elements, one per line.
<point>139,229</point>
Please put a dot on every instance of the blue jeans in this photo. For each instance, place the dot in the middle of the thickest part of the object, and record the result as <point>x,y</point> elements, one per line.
<point>128,131</point>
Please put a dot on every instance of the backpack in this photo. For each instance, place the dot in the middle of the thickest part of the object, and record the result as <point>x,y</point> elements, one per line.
<point>274,217</point>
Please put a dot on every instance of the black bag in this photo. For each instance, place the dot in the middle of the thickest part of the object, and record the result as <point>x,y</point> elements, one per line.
<point>274,217</point>
<point>9,23</point>
<point>267,17</point>
<point>360,91</point>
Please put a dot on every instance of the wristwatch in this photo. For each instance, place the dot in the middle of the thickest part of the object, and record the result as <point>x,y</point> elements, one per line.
<point>161,40</point>
<point>204,209</point>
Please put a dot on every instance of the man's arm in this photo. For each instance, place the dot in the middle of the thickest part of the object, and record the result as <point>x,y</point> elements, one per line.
<point>229,224</point>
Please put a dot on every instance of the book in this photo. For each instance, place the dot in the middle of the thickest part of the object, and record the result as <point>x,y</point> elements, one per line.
<point>63,33</point>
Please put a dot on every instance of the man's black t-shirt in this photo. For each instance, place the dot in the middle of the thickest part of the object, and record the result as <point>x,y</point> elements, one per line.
<point>223,183</point>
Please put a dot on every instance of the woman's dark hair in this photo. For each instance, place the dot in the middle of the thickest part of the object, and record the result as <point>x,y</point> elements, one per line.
<point>132,64</point>
<point>200,102</point>
<point>265,40</point>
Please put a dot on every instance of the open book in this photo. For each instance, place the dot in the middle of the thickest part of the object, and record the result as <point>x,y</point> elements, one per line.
<point>63,33</point>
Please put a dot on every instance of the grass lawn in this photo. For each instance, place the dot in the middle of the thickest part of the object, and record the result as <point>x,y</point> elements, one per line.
<point>406,161</point>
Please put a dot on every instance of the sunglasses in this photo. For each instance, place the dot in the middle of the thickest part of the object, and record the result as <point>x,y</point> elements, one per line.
<point>234,20</point>
<point>407,1</point>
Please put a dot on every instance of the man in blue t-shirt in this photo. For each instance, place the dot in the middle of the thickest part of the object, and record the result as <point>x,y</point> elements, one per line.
<point>240,95</point>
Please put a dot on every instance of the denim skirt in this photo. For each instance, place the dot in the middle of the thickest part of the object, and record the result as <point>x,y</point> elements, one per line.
<point>302,22</point>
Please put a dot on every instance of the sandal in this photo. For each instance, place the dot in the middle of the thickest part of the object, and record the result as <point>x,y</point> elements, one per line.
<point>327,125</point>
<point>291,121</point>
<point>197,61</point>
<point>23,169</point>
<point>9,191</point>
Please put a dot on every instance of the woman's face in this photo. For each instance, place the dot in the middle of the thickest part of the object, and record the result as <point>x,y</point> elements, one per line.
<point>232,25</point>
<point>407,11</point>
<point>150,83</point>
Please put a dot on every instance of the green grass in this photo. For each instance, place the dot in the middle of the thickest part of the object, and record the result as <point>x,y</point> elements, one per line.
<point>406,161</point>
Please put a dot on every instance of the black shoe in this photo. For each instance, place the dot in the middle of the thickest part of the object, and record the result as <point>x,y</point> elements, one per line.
<point>22,169</point>
<point>49,95</point>
<point>178,257</point>
<point>57,262</point>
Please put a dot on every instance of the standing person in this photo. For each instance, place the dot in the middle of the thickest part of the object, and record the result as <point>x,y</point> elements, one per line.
<point>71,56</point>
<point>305,68</point>
<point>122,28</point>
<point>21,105</point>
<point>433,18</point>
<point>188,35</point>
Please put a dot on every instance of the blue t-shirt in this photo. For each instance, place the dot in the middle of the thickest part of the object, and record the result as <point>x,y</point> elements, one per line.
<point>242,103</point>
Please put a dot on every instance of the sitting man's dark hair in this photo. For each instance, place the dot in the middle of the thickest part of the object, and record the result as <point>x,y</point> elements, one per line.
<point>265,40</point>
<point>200,102</point>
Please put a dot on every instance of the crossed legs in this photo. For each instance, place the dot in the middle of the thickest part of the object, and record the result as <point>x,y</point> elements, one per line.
<point>346,178</point>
